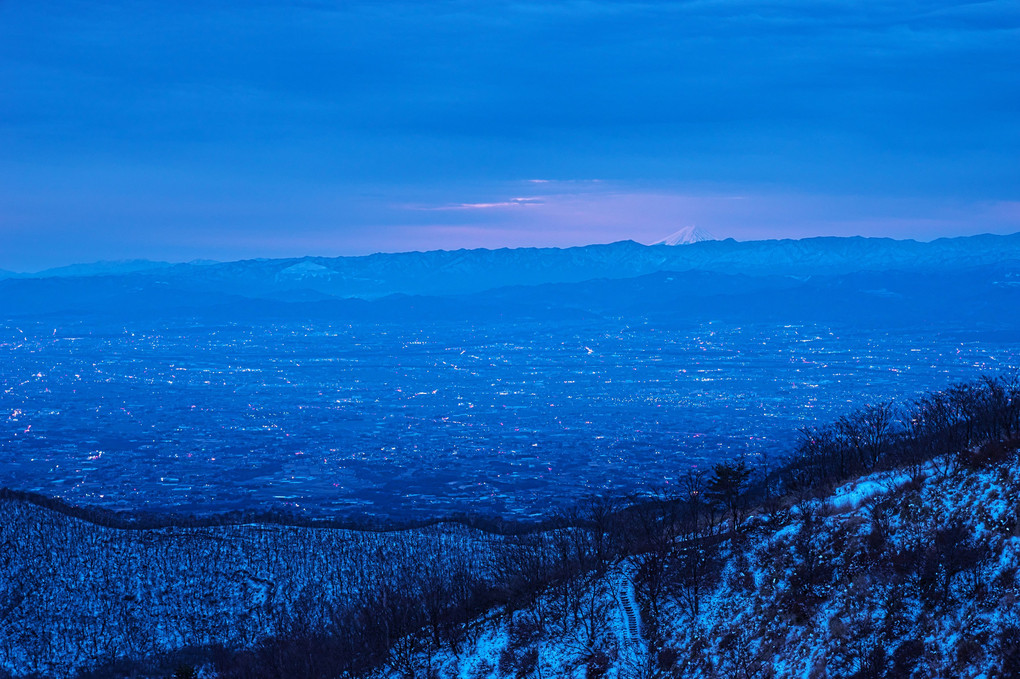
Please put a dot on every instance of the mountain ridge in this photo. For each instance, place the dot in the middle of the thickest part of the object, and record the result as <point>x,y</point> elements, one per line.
<point>445,272</point>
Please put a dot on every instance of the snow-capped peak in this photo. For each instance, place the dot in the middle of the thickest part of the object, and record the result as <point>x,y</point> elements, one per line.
<point>305,269</point>
<point>686,236</point>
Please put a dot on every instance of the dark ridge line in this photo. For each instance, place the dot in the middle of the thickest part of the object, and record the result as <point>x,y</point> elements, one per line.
<point>141,520</point>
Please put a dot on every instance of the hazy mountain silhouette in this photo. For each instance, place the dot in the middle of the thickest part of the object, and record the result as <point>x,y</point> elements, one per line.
<point>702,278</point>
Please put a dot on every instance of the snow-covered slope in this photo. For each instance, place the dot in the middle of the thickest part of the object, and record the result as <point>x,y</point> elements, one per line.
<point>913,571</point>
<point>74,595</point>
<point>899,574</point>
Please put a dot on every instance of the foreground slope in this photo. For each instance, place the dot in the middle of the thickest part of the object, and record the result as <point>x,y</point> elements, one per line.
<point>888,545</point>
<point>902,574</point>
<point>75,595</point>
<point>909,573</point>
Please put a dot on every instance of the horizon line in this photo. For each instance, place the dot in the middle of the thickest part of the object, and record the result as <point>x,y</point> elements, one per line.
<point>659,243</point>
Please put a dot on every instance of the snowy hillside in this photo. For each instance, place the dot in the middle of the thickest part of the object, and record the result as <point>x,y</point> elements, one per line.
<point>894,575</point>
<point>887,545</point>
<point>75,595</point>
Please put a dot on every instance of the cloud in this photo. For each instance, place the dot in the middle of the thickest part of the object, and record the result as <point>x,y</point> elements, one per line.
<point>129,113</point>
<point>575,214</point>
<point>510,203</point>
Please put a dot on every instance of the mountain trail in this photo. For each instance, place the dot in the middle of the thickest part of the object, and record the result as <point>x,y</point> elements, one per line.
<point>633,651</point>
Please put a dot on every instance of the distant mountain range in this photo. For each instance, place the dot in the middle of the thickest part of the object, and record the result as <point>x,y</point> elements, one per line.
<point>701,275</point>
<point>103,268</point>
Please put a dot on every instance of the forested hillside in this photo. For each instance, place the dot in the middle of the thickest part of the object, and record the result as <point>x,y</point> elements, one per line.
<point>888,544</point>
<point>898,574</point>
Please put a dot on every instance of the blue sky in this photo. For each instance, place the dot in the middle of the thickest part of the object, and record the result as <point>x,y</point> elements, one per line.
<point>229,129</point>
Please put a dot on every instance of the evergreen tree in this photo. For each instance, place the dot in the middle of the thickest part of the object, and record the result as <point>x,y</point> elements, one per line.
<point>728,487</point>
